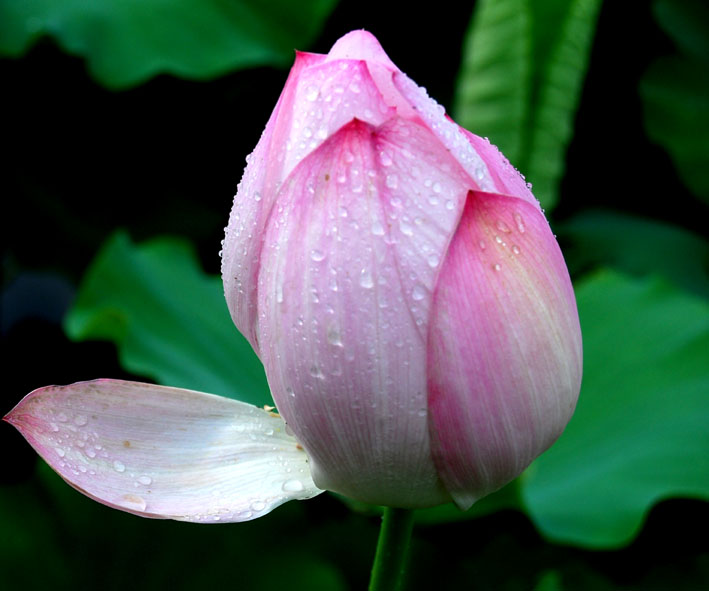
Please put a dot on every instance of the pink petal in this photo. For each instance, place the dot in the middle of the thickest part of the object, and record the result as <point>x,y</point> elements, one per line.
<point>504,354</point>
<point>360,45</point>
<point>241,247</point>
<point>165,452</point>
<point>487,168</point>
<point>344,295</point>
<point>318,99</point>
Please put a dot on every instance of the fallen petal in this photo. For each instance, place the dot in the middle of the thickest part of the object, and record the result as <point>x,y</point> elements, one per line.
<point>165,452</point>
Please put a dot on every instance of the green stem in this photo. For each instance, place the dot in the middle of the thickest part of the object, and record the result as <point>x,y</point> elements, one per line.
<point>392,548</point>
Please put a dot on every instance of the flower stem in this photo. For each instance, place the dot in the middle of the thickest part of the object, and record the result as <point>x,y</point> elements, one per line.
<point>392,548</point>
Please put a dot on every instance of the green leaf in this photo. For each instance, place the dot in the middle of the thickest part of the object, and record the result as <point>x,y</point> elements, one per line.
<point>675,92</point>
<point>637,246</point>
<point>168,318</point>
<point>520,82</point>
<point>126,42</point>
<point>639,434</point>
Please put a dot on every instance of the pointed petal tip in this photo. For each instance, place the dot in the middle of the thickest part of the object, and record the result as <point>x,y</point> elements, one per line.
<point>360,45</point>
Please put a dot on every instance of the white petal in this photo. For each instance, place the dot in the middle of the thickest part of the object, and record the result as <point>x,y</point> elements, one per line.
<point>165,452</point>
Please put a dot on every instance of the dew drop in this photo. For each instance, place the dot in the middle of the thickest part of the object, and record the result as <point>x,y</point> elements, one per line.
<point>520,223</point>
<point>392,181</point>
<point>258,506</point>
<point>317,255</point>
<point>333,336</point>
<point>377,229</point>
<point>316,372</point>
<point>60,452</point>
<point>419,292</point>
<point>365,279</point>
<point>80,420</point>
<point>450,204</point>
<point>405,228</point>
<point>119,466</point>
<point>503,227</point>
<point>257,196</point>
<point>290,392</point>
<point>293,485</point>
<point>312,93</point>
<point>437,187</point>
<point>496,267</point>
<point>482,245</point>
<point>432,260</point>
<point>62,418</point>
<point>515,249</point>
<point>145,480</point>
<point>54,427</point>
<point>385,159</point>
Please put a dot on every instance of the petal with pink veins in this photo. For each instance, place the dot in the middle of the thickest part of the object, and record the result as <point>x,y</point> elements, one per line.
<point>254,198</point>
<point>165,452</point>
<point>504,347</point>
<point>348,270</point>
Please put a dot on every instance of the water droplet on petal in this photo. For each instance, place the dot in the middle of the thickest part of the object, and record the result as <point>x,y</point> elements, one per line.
<point>496,267</point>
<point>316,372</point>
<point>419,292</point>
<point>80,420</point>
<point>60,452</point>
<point>333,336</point>
<point>312,93</point>
<point>377,229</point>
<point>119,466</point>
<point>515,249</point>
<point>405,227</point>
<point>432,260</point>
<point>293,485</point>
<point>520,223</point>
<point>258,506</point>
<point>503,227</point>
<point>365,279</point>
<point>385,159</point>
<point>392,181</point>
<point>145,480</point>
<point>317,255</point>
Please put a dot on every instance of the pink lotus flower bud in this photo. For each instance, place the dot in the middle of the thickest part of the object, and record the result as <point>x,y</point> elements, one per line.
<point>402,287</point>
<point>408,300</point>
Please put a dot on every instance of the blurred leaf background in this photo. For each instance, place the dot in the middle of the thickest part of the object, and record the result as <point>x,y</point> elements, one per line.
<point>126,125</point>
